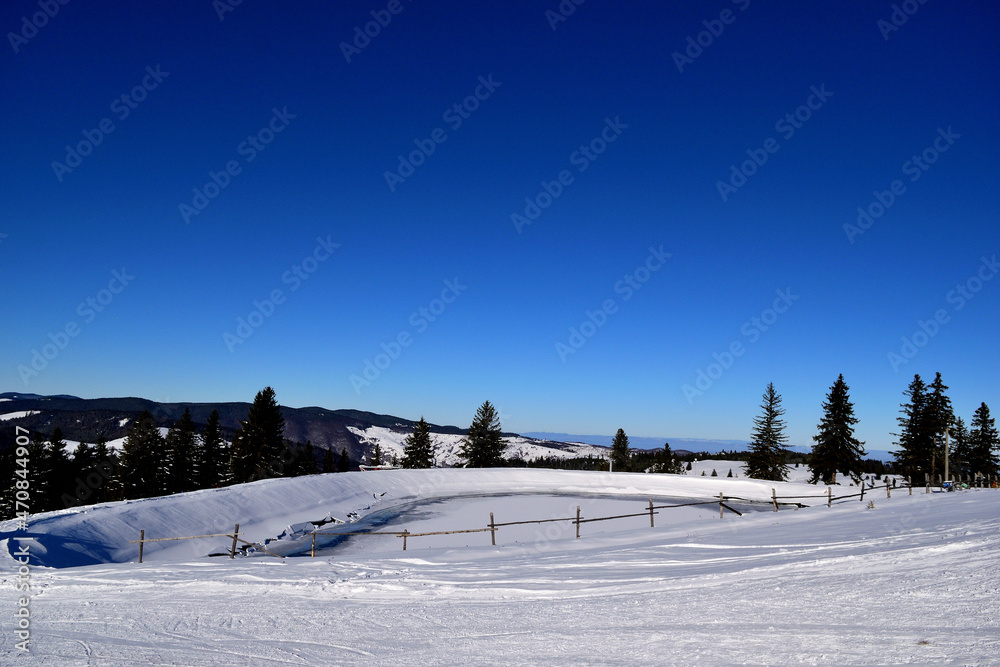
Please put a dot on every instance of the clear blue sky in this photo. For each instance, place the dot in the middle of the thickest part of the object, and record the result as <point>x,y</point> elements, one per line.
<point>641,139</point>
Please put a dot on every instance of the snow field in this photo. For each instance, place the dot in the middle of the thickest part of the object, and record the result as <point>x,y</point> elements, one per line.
<point>911,582</point>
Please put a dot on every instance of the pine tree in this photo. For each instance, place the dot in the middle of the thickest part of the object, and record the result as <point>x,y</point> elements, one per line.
<point>61,471</point>
<point>418,452</point>
<point>938,418</point>
<point>620,452</point>
<point>377,455</point>
<point>212,456</point>
<point>259,444</point>
<point>107,468</point>
<point>730,473</point>
<point>836,447</point>
<point>344,462</point>
<point>766,459</point>
<point>960,448</point>
<point>182,464</point>
<point>484,445</point>
<point>914,453</point>
<point>329,461</point>
<point>665,462</point>
<point>141,461</point>
<point>8,482</point>
<point>308,459</point>
<point>983,442</point>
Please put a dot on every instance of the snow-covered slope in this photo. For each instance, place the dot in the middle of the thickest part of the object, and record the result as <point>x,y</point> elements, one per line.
<point>448,445</point>
<point>911,581</point>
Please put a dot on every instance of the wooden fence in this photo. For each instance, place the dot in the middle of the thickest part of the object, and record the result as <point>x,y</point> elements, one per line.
<point>232,550</point>
<point>493,526</point>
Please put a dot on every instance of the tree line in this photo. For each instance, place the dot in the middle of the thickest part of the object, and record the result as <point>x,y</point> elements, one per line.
<point>152,464</point>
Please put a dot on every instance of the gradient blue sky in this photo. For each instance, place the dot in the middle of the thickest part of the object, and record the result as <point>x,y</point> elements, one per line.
<point>655,185</point>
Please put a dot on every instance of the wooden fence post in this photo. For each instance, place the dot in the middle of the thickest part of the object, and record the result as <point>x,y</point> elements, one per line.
<point>774,499</point>
<point>314,545</point>
<point>927,480</point>
<point>651,513</point>
<point>909,483</point>
<point>862,490</point>
<point>829,496</point>
<point>232,551</point>
<point>142,536</point>
<point>405,533</point>
<point>493,531</point>
<point>721,506</point>
<point>577,522</point>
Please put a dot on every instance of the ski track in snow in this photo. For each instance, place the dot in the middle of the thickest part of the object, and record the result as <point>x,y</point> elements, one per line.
<point>913,581</point>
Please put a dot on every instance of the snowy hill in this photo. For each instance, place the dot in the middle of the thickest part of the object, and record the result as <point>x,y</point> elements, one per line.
<point>357,431</point>
<point>447,445</point>
<point>911,581</point>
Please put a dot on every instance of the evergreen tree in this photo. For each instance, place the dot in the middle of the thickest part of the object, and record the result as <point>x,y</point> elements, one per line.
<point>182,464</point>
<point>938,418</point>
<point>329,461</point>
<point>960,452</point>
<point>418,452</point>
<point>484,445</point>
<point>620,452</point>
<point>259,443</point>
<point>141,462</point>
<point>377,455</point>
<point>666,462</point>
<point>8,482</point>
<point>344,462</point>
<point>983,442</point>
<point>61,471</point>
<point>766,458</point>
<point>308,459</point>
<point>914,453</point>
<point>107,468</point>
<point>83,457</point>
<point>836,447</point>
<point>212,455</point>
<point>730,473</point>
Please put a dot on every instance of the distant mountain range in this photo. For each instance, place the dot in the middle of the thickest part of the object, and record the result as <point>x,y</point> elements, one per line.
<point>87,420</point>
<point>639,442</point>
